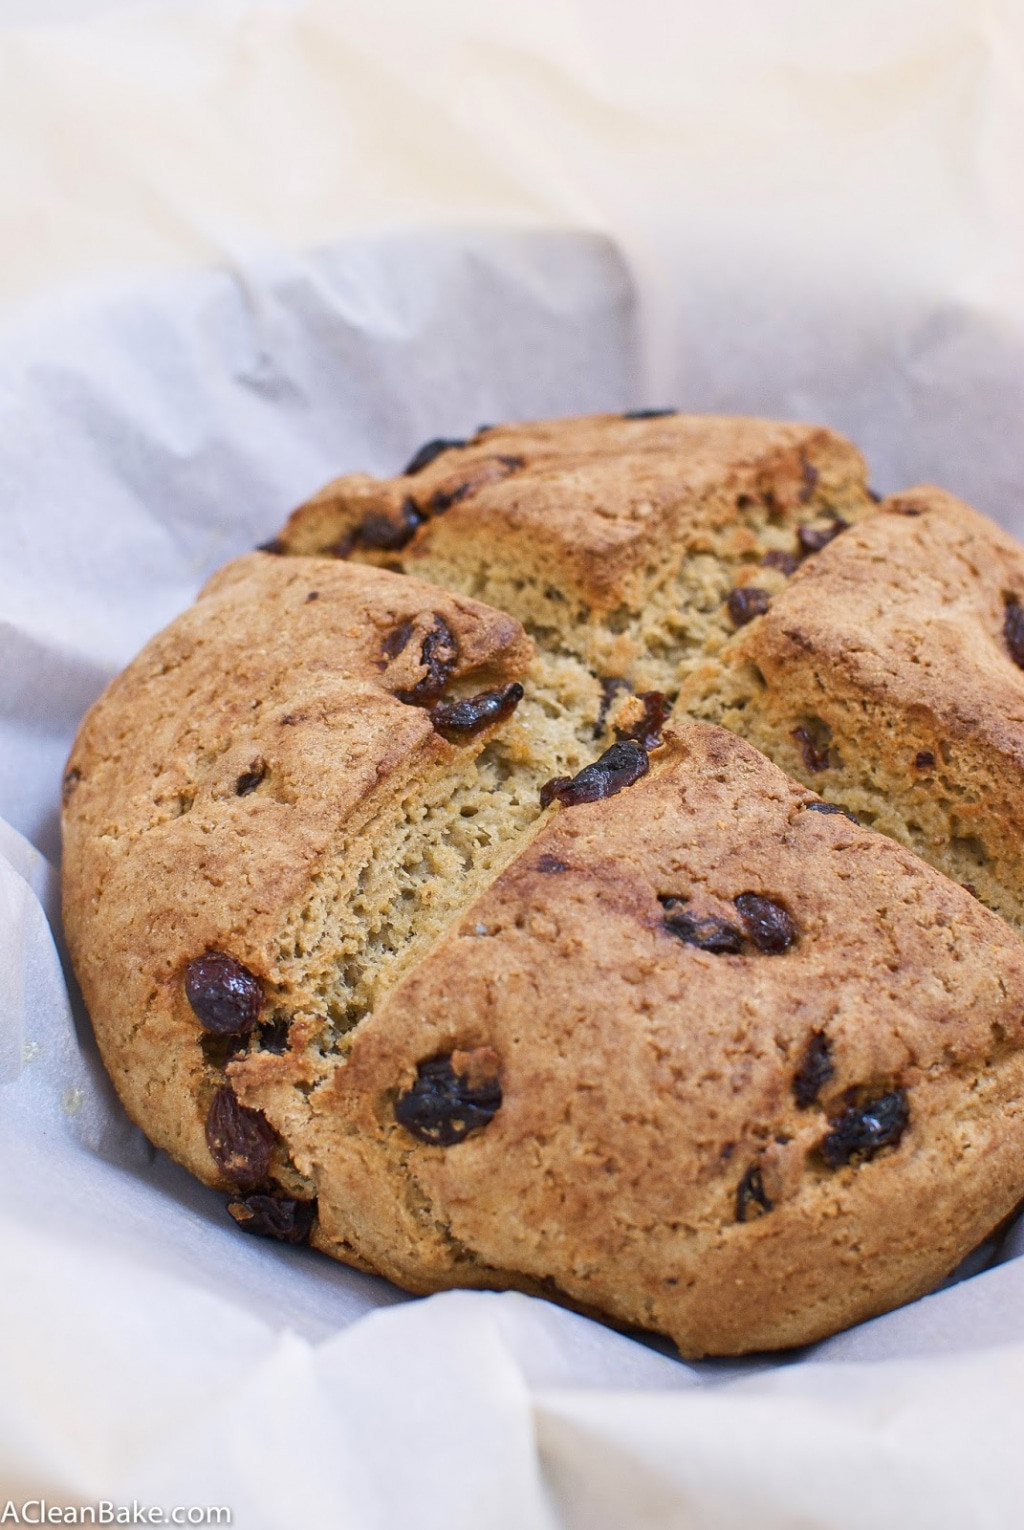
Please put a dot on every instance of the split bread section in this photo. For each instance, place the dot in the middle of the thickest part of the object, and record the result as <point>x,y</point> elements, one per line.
<point>888,677</point>
<point>253,784</point>
<point>617,541</point>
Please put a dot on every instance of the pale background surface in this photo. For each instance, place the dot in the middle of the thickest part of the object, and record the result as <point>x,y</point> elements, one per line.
<point>212,298</point>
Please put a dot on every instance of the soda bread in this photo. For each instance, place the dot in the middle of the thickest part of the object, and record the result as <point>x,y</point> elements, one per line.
<point>442,885</point>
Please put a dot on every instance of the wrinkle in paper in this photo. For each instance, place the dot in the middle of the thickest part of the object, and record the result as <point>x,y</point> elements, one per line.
<point>779,209</point>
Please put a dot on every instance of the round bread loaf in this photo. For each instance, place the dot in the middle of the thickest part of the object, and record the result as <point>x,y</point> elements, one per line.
<point>483,881</point>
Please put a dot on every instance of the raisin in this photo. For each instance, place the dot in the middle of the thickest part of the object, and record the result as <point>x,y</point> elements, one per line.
<point>445,498</point>
<point>275,546</point>
<point>485,472</point>
<point>251,778</point>
<point>439,656</point>
<point>68,785</point>
<point>313,595</point>
<point>746,603</point>
<point>648,414</point>
<point>240,1140</point>
<point>444,1106</point>
<point>274,1216</point>
<point>813,538</point>
<point>924,760</point>
<point>750,1194</point>
<point>815,755</point>
<point>769,925</point>
<point>863,1130</point>
<point>458,720</point>
<point>707,934</point>
<point>786,563</point>
<point>550,865</point>
<point>610,688</point>
<point>379,533</point>
<point>225,996</point>
<point>814,1071</point>
<point>1013,630</point>
<point>273,1035</point>
<point>427,453</point>
<point>617,768</point>
<point>396,640</point>
<point>830,808</point>
<point>218,1051</point>
<point>647,732</point>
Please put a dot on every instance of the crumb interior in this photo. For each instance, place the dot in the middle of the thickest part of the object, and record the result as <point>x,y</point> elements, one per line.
<point>893,774</point>
<point>383,899</point>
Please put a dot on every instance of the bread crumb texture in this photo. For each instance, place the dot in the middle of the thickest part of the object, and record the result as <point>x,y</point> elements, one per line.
<point>723,1040</point>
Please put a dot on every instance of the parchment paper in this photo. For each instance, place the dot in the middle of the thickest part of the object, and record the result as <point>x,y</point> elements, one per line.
<point>202,318</point>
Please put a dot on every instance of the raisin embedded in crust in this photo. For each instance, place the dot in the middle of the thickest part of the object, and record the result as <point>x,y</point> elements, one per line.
<point>274,1216</point>
<point>815,1070</point>
<point>439,655</point>
<point>225,996</point>
<point>830,809</point>
<point>707,934</point>
<point>428,452</point>
<point>751,1200</point>
<point>251,778</point>
<point>746,603</point>
<point>816,756</point>
<point>813,538</point>
<point>240,1140</point>
<point>452,1096</point>
<point>863,1130</point>
<point>617,768</point>
<point>786,563</point>
<point>396,640</point>
<point>458,720</point>
<point>379,533</point>
<point>767,923</point>
<point>647,732</point>
<point>1013,630</point>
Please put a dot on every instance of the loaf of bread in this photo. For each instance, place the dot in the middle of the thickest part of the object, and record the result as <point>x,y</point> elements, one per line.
<point>585,863</point>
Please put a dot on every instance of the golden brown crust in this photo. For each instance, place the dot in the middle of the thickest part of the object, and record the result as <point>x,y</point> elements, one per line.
<point>642,1078</point>
<point>564,1052</point>
<point>600,504</point>
<point>165,858</point>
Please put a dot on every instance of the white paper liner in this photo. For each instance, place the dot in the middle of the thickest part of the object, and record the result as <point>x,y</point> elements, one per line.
<point>859,268</point>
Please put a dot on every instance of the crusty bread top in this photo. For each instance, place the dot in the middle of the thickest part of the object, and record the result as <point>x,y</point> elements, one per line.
<point>645,1080</point>
<point>906,605</point>
<point>256,734</point>
<point>658,1075</point>
<point>596,506</point>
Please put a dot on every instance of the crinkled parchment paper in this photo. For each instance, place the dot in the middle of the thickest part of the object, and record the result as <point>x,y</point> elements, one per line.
<point>246,248</point>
